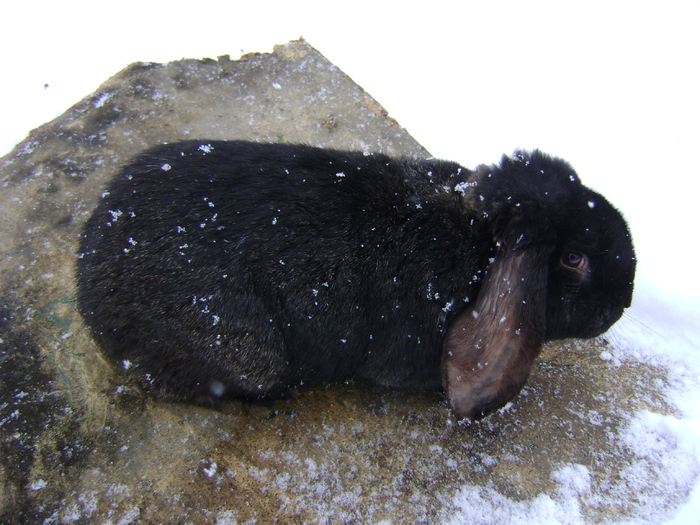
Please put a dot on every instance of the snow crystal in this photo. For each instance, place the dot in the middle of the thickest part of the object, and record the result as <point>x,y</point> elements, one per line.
<point>13,415</point>
<point>38,485</point>
<point>462,187</point>
<point>73,514</point>
<point>606,355</point>
<point>88,501</point>
<point>206,148</point>
<point>227,517</point>
<point>126,364</point>
<point>217,388</point>
<point>118,490</point>
<point>130,516</point>
<point>591,204</point>
<point>574,480</point>
<point>166,167</point>
<point>103,99</point>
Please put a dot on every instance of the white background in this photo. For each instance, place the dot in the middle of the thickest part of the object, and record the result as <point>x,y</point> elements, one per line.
<point>611,86</point>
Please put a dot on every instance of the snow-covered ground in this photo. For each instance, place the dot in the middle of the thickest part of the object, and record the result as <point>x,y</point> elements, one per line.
<point>610,86</point>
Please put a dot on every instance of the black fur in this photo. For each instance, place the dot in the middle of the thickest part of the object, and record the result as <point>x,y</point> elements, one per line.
<point>235,268</point>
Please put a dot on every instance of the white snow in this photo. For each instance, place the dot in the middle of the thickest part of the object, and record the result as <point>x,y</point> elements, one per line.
<point>37,485</point>
<point>115,214</point>
<point>103,99</point>
<point>484,505</point>
<point>210,470</point>
<point>621,106</point>
<point>462,187</point>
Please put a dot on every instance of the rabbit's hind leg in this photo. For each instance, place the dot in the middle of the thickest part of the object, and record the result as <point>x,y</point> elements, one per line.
<point>251,364</point>
<point>184,366</point>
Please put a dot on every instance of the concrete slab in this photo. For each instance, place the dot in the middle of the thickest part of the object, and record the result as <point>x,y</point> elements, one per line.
<point>81,444</point>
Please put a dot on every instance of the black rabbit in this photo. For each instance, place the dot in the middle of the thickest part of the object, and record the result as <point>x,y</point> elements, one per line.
<point>215,269</point>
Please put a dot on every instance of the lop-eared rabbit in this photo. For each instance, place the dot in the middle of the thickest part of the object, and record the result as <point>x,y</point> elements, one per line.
<point>230,268</point>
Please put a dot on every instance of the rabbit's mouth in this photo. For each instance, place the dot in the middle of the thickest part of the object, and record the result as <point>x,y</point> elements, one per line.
<point>584,325</point>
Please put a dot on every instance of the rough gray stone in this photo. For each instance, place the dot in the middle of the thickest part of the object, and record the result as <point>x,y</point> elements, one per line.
<point>81,444</point>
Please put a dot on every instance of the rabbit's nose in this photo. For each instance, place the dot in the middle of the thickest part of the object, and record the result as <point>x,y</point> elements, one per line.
<point>610,316</point>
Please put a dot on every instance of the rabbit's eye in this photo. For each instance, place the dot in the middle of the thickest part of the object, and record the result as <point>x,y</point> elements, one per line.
<point>574,260</point>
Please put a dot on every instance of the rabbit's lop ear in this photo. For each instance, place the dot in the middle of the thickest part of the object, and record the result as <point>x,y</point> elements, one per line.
<point>490,348</point>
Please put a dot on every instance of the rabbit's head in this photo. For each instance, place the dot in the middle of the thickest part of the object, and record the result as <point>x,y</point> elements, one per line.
<point>564,267</point>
